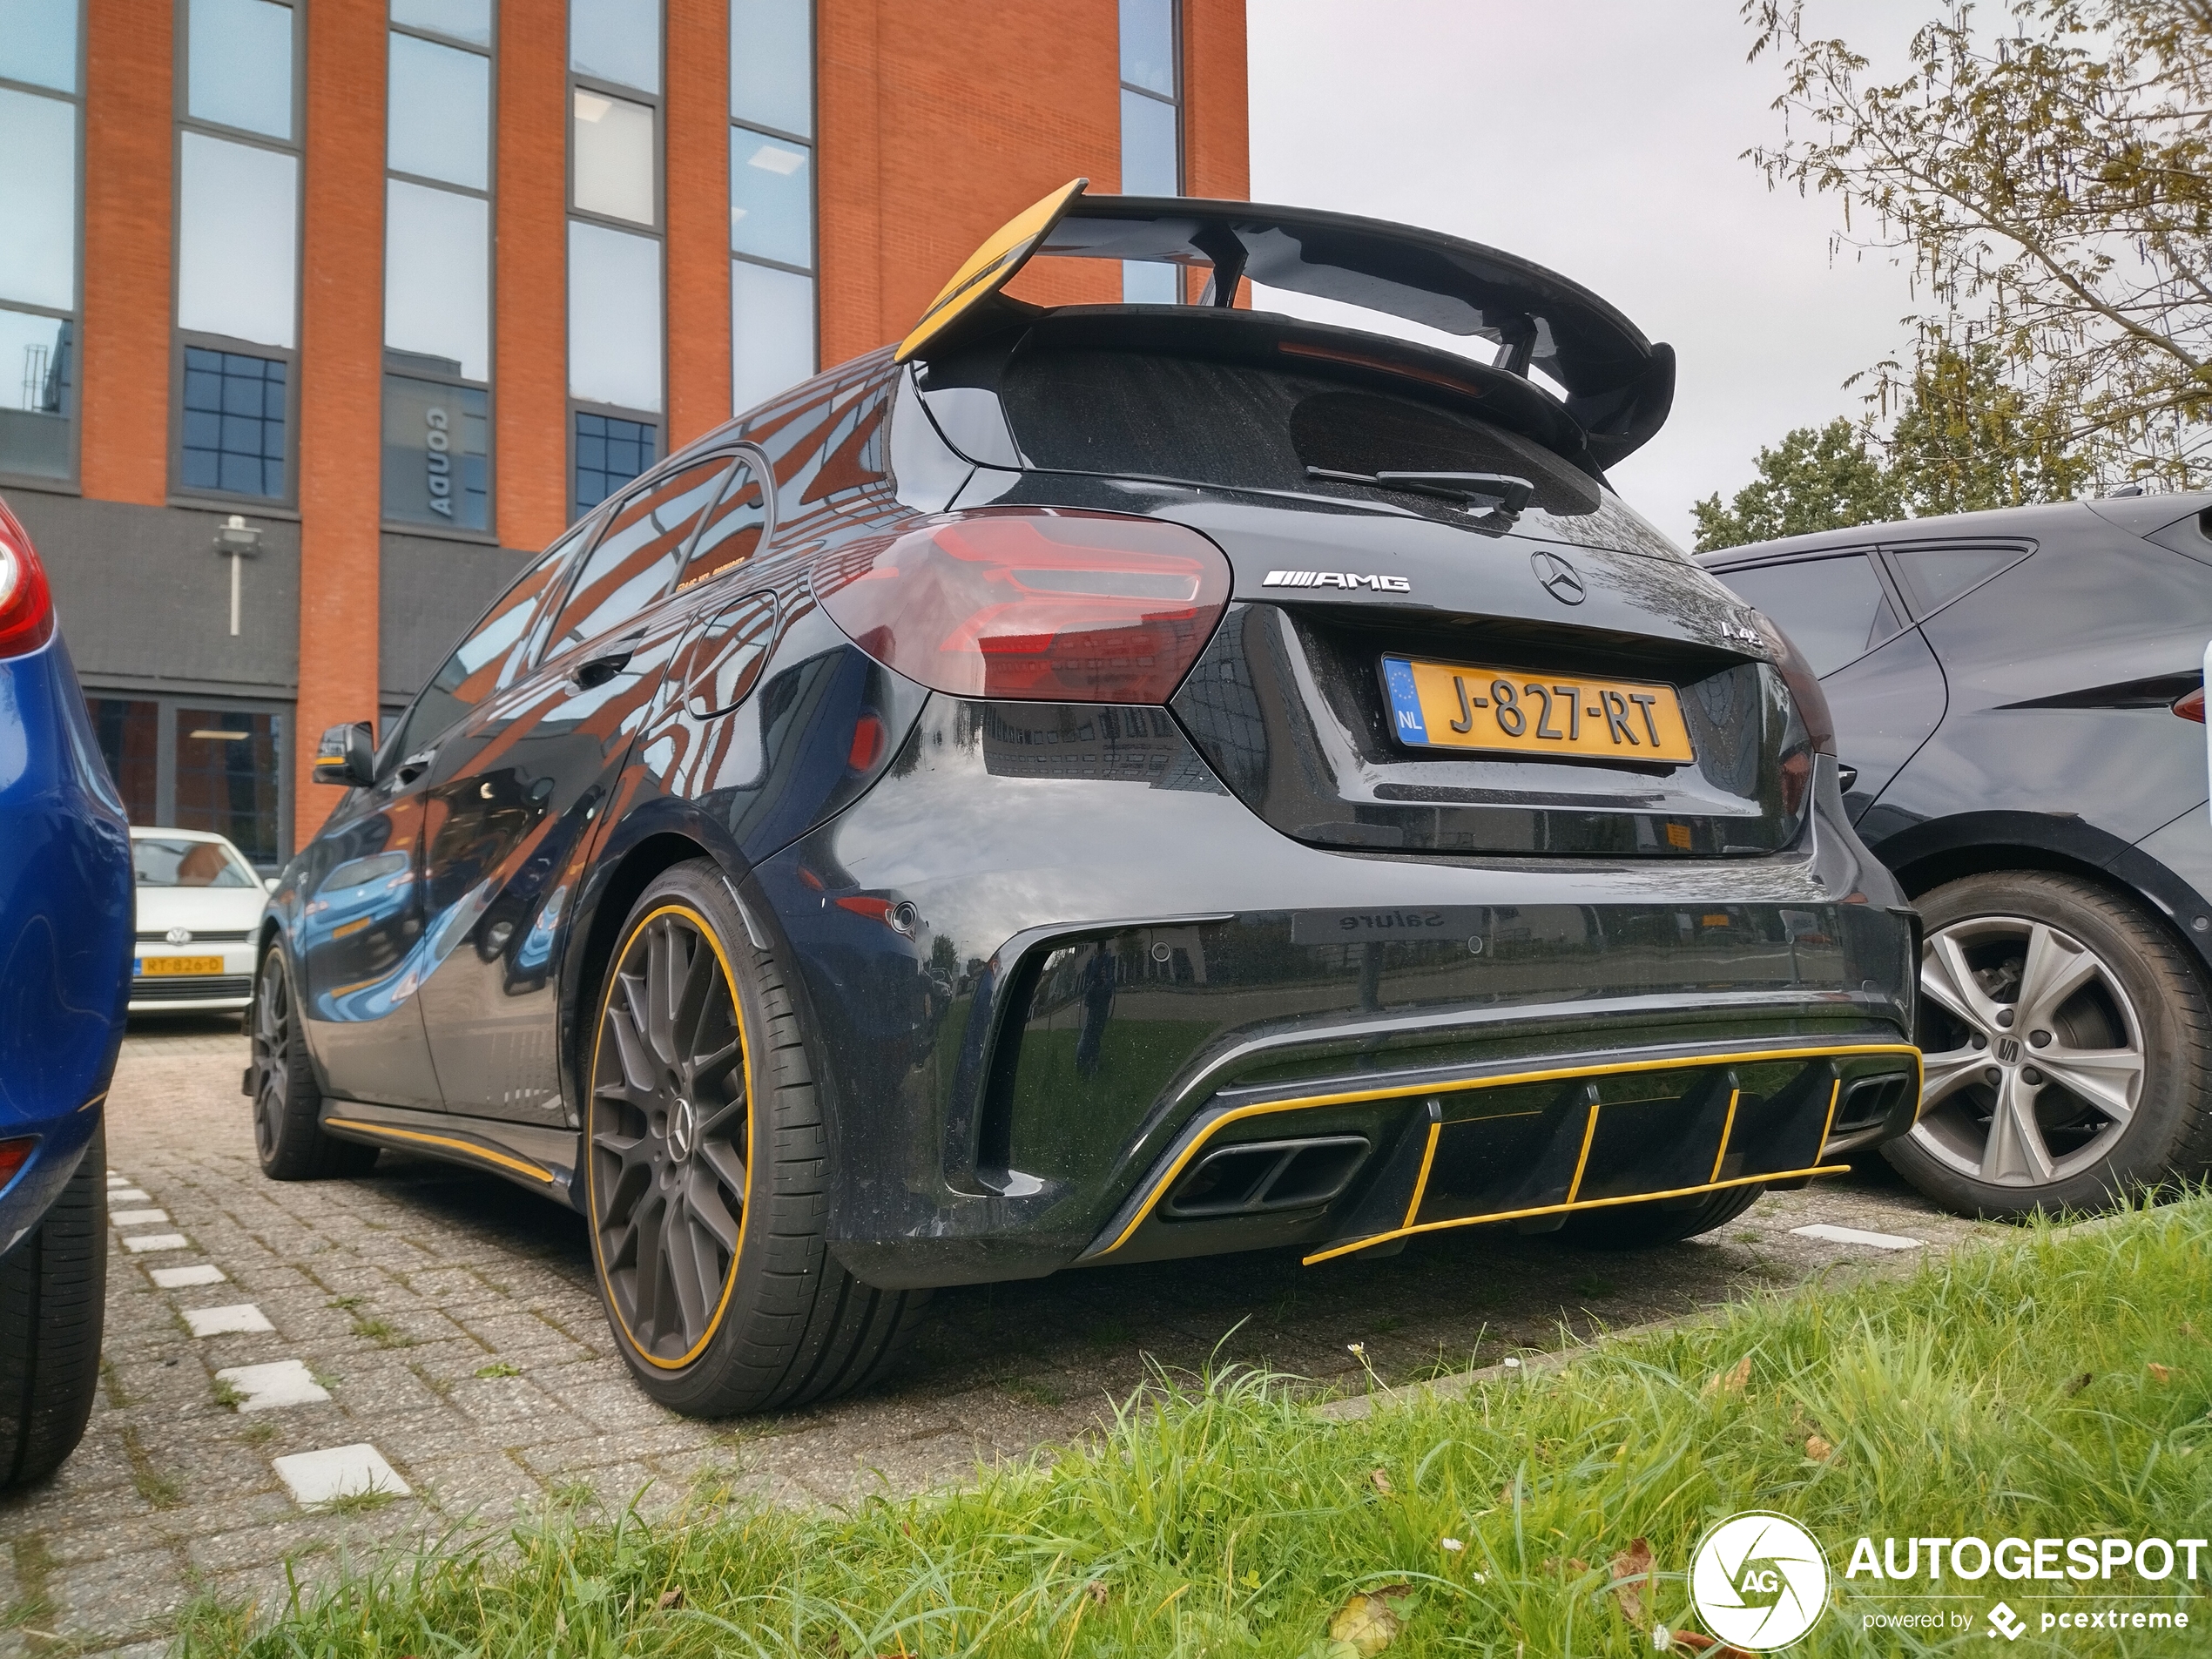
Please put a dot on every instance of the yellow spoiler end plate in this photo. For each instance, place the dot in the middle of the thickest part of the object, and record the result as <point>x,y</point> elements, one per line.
<point>991,266</point>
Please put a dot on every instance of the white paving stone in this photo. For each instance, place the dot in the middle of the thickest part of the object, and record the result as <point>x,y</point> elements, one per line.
<point>145,1242</point>
<point>128,1195</point>
<point>181,1278</point>
<point>139,1217</point>
<point>1833,1235</point>
<point>230,1321</point>
<point>283,1382</point>
<point>117,1178</point>
<point>340,1472</point>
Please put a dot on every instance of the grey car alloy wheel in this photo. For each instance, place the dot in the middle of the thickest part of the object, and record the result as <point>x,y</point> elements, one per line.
<point>2034,1054</point>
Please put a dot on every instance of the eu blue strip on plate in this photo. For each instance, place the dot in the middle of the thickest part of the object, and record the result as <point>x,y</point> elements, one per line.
<point>1404,701</point>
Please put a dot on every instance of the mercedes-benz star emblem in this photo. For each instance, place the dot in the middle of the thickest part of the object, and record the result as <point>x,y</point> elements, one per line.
<point>683,1130</point>
<point>180,935</point>
<point>1560,579</point>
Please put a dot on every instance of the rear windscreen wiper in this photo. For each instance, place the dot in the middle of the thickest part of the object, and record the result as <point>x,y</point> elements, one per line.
<point>1491,491</point>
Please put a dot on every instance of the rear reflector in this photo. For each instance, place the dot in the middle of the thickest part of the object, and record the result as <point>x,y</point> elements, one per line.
<point>13,1156</point>
<point>2192,706</point>
<point>1034,603</point>
<point>26,608</point>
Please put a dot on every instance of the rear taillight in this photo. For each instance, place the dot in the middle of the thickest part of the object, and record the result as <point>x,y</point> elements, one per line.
<point>26,607</point>
<point>14,1155</point>
<point>2192,706</point>
<point>1804,687</point>
<point>1031,603</point>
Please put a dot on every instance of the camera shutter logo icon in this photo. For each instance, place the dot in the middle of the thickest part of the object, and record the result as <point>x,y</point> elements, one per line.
<point>1759,1581</point>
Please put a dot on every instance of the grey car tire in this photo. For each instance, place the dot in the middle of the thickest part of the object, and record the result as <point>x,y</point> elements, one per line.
<point>53,1301</point>
<point>2065,1040</point>
<point>706,1172</point>
<point>288,1136</point>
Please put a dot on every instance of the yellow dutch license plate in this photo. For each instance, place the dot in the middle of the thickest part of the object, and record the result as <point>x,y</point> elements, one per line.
<point>1454,705</point>
<point>152,966</point>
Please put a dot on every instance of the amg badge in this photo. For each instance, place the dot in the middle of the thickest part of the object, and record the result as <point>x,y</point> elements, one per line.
<point>1336,579</point>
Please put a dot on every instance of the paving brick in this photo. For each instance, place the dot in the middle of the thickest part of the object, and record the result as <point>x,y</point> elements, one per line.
<point>104,1601</point>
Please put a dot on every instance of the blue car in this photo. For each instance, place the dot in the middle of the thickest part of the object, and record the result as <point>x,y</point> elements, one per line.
<point>66,911</point>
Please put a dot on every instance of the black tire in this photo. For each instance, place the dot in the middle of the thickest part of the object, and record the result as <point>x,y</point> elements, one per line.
<point>1641,1226</point>
<point>2138,1020</point>
<point>53,1302</point>
<point>288,1134</point>
<point>674,1110</point>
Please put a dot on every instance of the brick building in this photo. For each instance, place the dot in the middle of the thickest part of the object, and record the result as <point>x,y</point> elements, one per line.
<point>317,315</point>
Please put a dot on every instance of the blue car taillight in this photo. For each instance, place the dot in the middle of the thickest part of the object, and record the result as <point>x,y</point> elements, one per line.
<point>26,606</point>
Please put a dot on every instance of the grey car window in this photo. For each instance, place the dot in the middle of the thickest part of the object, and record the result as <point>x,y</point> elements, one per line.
<point>1834,610</point>
<point>1936,576</point>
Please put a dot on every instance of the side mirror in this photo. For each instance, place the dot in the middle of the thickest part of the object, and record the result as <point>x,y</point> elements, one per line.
<point>273,883</point>
<point>346,757</point>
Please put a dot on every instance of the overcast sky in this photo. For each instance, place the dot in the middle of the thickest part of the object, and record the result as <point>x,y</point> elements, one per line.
<point>1600,138</point>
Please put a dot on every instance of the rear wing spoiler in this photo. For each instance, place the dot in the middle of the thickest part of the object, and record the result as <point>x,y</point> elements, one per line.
<point>1619,385</point>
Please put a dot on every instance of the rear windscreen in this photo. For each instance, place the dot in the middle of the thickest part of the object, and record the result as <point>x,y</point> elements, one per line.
<point>1251,426</point>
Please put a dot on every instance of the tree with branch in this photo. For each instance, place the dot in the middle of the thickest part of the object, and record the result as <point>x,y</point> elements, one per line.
<point>2051,180</point>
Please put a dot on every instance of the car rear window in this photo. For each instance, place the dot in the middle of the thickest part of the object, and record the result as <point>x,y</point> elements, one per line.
<point>1249,426</point>
<point>161,862</point>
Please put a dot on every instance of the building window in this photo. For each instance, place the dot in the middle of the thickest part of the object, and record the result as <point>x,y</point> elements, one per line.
<point>437,265</point>
<point>616,335</point>
<point>772,342</point>
<point>180,766</point>
<point>41,124</point>
<point>1151,130</point>
<point>237,246</point>
<point>233,424</point>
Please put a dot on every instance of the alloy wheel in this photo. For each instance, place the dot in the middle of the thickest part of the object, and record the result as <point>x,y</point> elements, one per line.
<point>271,1054</point>
<point>2033,1053</point>
<point>669,1136</point>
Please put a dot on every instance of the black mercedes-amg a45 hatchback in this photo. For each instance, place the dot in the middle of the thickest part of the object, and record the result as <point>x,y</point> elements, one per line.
<point>1101,783</point>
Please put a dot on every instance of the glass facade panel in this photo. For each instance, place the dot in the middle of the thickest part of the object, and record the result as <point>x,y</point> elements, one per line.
<point>440,115</point>
<point>35,402</point>
<point>226,778</point>
<point>238,65</point>
<point>1147,45</point>
<point>437,276</point>
<point>1148,158</point>
<point>771,64</point>
<point>38,43</point>
<point>37,199</point>
<point>238,240</point>
<point>469,20</point>
<point>772,199</point>
<point>234,420</point>
<point>614,317</point>
<point>771,332</point>
<point>609,452</point>
<point>129,734</point>
<point>437,445</point>
<point>614,157</point>
<point>617,41</point>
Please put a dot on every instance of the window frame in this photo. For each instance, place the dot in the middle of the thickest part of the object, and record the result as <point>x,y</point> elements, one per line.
<point>167,705</point>
<point>1125,87</point>
<point>574,80</point>
<point>181,122</point>
<point>1885,584</point>
<point>812,145</point>
<point>487,536</point>
<point>2020,548</point>
<point>73,393</point>
<point>548,648</point>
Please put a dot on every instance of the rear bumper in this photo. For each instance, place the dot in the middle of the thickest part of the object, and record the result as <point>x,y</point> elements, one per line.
<point>1107,955</point>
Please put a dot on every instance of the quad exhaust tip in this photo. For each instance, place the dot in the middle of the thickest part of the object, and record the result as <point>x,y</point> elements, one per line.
<point>1260,1177</point>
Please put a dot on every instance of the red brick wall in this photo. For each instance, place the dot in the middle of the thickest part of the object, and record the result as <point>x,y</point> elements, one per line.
<point>1216,149</point>
<point>341,350</point>
<point>698,218</point>
<point>530,317</point>
<point>128,149</point>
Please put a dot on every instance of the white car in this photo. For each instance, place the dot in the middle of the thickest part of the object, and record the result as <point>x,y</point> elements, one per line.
<point>199,902</point>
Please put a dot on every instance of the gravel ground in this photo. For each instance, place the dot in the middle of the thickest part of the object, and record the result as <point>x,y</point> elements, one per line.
<point>436,1328</point>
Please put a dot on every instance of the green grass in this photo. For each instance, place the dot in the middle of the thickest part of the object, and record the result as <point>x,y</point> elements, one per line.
<point>1222,1517</point>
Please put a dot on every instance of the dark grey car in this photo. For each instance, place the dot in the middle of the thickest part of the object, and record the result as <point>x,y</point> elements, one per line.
<point>2019,702</point>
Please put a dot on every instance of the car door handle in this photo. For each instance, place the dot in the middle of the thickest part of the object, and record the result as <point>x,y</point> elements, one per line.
<point>601,666</point>
<point>414,766</point>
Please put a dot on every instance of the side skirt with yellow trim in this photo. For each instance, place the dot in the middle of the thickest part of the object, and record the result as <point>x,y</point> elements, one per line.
<point>541,1159</point>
